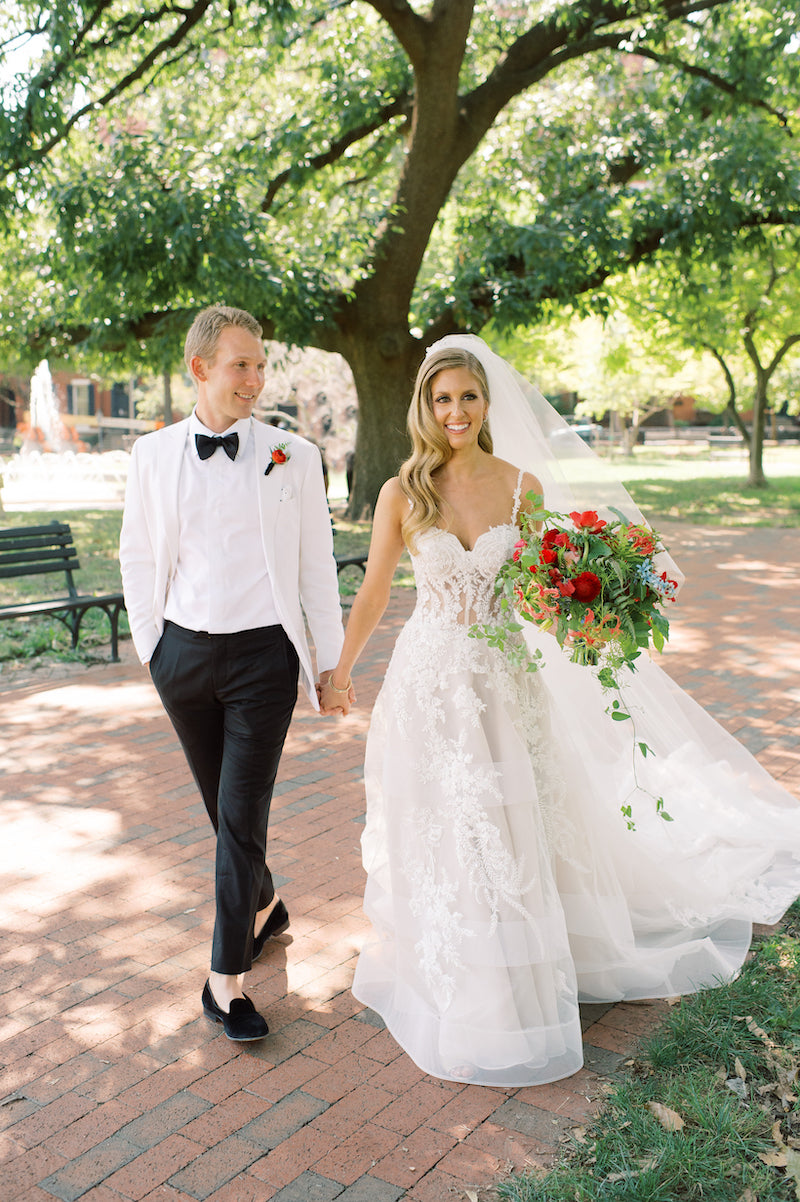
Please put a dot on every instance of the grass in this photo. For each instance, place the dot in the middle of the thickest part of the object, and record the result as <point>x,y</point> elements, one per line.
<point>96,534</point>
<point>690,486</point>
<point>737,1144</point>
<point>44,639</point>
<point>693,487</point>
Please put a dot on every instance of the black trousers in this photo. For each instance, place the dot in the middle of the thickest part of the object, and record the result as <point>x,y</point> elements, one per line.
<point>230,699</point>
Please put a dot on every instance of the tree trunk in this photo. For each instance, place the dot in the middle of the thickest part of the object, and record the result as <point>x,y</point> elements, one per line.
<point>756,477</point>
<point>384,370</point>
<point>167,382</point>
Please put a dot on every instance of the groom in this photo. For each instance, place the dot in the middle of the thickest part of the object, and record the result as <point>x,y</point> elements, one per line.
<point>226,543</point>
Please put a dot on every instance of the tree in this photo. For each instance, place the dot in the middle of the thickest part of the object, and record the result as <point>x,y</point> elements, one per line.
<point>744,312</point>
<point>368,177</point>
<point>624,364</point>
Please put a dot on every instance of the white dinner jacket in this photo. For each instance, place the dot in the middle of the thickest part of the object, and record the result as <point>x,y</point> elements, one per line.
<point>295,533</point>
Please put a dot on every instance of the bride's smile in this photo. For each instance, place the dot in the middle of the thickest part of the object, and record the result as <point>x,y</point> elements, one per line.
<point>459,405</point>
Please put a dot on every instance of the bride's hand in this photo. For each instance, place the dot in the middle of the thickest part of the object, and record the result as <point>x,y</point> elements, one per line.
<point>334,700</point>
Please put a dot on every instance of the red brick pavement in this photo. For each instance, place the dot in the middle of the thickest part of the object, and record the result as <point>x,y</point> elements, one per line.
<point>114,1085</point>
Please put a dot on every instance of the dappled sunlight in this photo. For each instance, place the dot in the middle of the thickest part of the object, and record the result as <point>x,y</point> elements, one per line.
<point>46,841</point>
<point>98,698</point>
<point>108,860</point>
<point>771,576</point>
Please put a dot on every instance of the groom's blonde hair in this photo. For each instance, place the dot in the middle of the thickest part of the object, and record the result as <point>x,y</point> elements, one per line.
<point>206,328</point>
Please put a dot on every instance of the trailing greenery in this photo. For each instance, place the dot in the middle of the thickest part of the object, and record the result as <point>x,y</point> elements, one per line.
<point>709,1110</point>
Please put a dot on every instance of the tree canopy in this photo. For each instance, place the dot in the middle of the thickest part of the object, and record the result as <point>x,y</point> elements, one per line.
<point>368,175</point>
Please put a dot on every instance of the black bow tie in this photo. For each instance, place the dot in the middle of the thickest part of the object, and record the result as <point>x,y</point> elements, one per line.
<point>207,445</point>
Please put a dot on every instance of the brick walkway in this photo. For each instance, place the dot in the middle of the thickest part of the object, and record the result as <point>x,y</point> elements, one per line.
<point>114,1085</point>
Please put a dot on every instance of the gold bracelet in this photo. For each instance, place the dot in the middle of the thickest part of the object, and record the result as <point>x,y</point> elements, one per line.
<point>329,683</point>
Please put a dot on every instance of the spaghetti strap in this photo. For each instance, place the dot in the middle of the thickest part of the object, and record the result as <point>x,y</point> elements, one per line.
<point>517,498</point>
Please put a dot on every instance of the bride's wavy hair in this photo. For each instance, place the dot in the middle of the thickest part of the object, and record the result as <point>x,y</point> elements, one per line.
<point>429,446</point>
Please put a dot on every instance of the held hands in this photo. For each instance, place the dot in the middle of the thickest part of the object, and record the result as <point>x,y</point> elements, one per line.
<point>334,700</point>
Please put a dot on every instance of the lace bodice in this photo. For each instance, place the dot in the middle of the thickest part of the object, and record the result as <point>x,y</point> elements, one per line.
<point>455,585</point>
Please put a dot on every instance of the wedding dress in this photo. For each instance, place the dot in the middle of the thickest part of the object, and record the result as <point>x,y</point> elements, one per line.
<point>503,885</point>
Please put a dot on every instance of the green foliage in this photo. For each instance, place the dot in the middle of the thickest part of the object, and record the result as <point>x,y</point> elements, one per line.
<point>259,167</point>
<point>365,176</point>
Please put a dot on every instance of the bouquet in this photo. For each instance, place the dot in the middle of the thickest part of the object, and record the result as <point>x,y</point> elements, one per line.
<point>595,585</point>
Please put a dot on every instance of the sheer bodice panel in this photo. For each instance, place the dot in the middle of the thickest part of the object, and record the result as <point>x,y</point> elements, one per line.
<point>455,586</point>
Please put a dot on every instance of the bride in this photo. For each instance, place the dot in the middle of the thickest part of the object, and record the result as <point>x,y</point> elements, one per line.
<point>503,885</point>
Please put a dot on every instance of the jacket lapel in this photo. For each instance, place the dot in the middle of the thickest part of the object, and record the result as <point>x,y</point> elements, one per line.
<point>268,490</point>
<point>169,472</point>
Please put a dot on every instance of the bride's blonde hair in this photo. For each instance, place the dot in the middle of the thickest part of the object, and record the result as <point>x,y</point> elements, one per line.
<point>429,446</point>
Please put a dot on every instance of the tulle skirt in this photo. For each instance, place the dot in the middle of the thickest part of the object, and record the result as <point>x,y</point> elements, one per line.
<point>503,883</point>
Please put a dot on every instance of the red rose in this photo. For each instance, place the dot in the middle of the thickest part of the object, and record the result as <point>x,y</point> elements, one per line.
<point>548,555</point>
<point>588,521</point>
<point>587,586</point>
<point>278,455</point>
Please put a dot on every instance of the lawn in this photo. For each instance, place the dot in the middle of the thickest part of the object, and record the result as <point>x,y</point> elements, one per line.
<point>712,491</point>
<point>691,486</point>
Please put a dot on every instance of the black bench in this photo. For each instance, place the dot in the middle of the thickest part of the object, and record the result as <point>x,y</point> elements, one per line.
<point>350,561</point>
<point>35,550</point>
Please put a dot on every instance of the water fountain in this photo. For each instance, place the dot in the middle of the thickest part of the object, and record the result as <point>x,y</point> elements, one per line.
<point>52,469</point>
<point>45,417</point>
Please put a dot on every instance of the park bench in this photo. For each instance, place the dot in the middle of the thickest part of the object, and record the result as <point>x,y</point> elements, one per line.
<point>38,550</point>
<point>348,568</point>
<point>351,561</point>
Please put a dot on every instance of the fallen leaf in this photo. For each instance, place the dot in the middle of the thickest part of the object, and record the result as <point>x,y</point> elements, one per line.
<point>579,1134</point>
<point>739,1069</point>
<point>670,1120</point>
<point>783,1094</point>
<point>737,1085</point>
<point>776,1159</point>
<point>754,1028</point>
<point>470,1195</point>
<point>793,1168</point>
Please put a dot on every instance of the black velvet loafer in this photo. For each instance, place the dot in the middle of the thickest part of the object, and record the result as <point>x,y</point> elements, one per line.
<point>242,1024</point>
<point>276,924</point>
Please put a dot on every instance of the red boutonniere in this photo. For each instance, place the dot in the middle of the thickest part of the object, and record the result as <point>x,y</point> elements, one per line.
<point>278,454</point>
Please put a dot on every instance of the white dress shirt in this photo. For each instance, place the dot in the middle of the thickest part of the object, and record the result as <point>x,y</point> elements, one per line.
<point>221,583</point>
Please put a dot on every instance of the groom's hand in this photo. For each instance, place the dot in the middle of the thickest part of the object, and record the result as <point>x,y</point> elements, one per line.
<point>333,700</point>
